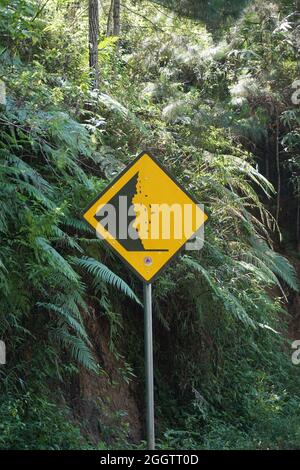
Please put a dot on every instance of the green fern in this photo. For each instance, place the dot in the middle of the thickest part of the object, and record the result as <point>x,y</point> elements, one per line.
<point>67,317</point>
<point>100,272</point>
<point>222,294</point>
<point>277,263</point>
<point>79,350</point>
<point>55,259</point>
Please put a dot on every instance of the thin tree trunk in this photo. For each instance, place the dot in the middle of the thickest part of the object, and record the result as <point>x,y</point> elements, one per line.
<point>109,28</point>
<point>298,216</point>
<point>116,16</point>
<point>93,41</point>
<point>278,169</point>
<point>267,156</point>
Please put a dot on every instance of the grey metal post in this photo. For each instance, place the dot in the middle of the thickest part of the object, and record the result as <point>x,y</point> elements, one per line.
<point>149,365</point>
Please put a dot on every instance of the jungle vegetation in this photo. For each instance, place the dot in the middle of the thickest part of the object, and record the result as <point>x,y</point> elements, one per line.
<point>211,89</point>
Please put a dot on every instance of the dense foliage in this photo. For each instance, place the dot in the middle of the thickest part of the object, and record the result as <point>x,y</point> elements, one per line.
<point>219,13</point>
<point>219,115</point>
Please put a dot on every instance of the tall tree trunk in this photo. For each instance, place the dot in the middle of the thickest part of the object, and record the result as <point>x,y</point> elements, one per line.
<point>93,41</point>
<point>267,156</point>
<point>116,16</point>
<point>109,29</point>
<point>278,169</point>
<point>298,216</point>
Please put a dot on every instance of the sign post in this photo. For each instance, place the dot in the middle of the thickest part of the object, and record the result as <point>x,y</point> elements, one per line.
<point>149,365</point>
<point>147,218</point>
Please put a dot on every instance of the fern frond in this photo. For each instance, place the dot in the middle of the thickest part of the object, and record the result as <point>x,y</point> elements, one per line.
<point>279,265</point>
<point>55,259</point>
<point>113,105</point>
<point>67,317</point>
<point>36,194</point>
<point>223,295</point>
<point>77,347</point>
<point>65,239</point>
<point>102,273</point>
<point>77,224</point>
<point>22,169</point>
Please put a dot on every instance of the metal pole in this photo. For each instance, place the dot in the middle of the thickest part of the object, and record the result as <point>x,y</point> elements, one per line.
<point>149,365</point>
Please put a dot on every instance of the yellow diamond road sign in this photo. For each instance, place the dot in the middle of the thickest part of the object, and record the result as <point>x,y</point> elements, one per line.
<point>145,216</point>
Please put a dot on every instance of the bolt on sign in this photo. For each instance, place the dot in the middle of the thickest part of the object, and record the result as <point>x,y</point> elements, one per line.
<point>145,216</point>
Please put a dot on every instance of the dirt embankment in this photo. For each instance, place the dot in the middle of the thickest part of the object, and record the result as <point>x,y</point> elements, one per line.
<point>105,404</point>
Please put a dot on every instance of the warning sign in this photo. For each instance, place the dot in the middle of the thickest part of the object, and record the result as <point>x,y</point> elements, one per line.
<point>145,216</point>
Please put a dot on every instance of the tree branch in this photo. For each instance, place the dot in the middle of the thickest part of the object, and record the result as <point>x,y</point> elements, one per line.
<point>158,28</point>
<point>39,11</point>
